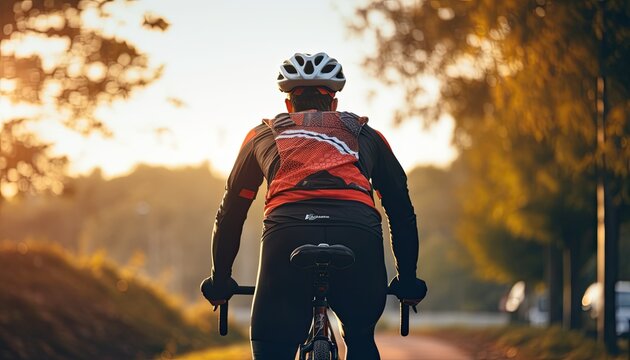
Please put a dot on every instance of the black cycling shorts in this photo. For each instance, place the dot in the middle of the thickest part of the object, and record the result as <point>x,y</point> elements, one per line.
<point>282,308</point>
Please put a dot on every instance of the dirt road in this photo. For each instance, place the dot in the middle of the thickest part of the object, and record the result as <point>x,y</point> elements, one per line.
<point>391,347</point>
<point>416,347</point>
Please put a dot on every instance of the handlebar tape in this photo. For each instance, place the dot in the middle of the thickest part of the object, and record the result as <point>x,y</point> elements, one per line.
<point>404,319</point>
<point>223,324</point>
<point>223,308</point>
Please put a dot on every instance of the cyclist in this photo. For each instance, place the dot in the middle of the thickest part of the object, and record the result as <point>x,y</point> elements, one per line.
<point>318,164</point>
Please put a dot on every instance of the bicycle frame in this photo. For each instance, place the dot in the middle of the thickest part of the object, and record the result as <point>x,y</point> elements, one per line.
<point>320,327</point>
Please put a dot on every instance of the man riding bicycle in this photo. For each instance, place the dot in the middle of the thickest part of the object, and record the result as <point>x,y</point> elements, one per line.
<point>322,167</point>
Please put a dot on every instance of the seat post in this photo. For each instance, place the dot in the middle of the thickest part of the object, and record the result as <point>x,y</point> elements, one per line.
<point>321,327</point>
<point>321,281</point>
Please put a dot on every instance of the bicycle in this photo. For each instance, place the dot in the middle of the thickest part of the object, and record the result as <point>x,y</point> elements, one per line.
<point>321,343</point>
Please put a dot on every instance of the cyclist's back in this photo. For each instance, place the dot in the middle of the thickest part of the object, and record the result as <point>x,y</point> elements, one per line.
<point>318,164</point>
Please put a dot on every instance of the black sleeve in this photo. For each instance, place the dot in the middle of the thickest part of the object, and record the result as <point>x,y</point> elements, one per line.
<point>390,182</point>
<point>240,192</point>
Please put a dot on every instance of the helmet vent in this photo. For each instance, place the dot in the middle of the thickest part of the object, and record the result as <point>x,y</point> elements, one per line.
<point>305,70</point>
<point>290,69</point>
<point>328,68</point>
<point>309,67</point>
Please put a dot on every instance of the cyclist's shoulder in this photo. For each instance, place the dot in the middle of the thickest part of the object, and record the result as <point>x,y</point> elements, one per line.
<point>280,120</point>
<point>370,132</point>
<point>257,134</point>
<point>367,132</point>
<point>352,115</point>
<point>261,129</point>
<point>373,136</point>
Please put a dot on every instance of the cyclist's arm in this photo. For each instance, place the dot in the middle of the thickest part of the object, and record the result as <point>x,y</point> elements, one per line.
<point>240,191</point>
<point>390,182</point>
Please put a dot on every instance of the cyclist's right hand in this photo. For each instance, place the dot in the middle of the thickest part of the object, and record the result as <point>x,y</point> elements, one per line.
<point>409,290</point>
<point>218,291</point>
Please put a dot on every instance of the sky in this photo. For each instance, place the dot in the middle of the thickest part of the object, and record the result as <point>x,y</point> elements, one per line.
<point>221,59</point>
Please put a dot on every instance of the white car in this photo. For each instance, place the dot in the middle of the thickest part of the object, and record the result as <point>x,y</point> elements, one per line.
<point>623,307</point>
<point>538,313</point>
<point>622,288</point>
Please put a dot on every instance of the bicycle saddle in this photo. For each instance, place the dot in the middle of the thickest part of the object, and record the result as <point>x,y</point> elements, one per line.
<point>336,256</point>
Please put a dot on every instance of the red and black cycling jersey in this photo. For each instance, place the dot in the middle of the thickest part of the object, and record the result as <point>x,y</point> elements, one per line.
<point>319,153</point>
<point>316,164</point>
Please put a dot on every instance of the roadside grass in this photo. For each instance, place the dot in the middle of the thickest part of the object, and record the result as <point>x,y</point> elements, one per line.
<point>522,342</point>
<point>54,305</point>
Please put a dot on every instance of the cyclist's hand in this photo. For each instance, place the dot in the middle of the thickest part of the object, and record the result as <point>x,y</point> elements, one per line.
<point>218,292</point>
<point>409,290</point>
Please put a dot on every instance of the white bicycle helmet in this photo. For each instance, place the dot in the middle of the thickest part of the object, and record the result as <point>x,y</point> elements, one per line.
<point>311,70</point>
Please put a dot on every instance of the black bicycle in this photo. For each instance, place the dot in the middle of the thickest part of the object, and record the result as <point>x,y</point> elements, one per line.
<point>321,343</point>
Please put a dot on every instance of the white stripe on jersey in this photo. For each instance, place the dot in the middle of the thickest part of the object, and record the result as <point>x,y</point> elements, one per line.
<point>341,146</point>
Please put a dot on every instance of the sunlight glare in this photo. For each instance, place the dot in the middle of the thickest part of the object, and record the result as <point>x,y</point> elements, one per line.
<point>225,78</point>
<point>96,71</point>
<point>7,86</point>
<point>8,190</point>
<point>23,46</point>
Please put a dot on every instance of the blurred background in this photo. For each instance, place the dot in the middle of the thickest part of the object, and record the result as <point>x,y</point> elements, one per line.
<point>120,121</point>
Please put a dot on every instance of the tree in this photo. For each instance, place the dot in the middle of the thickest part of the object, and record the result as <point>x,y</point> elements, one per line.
<point>453,284</point>
<point>522,75</point>
<point>91,68</point>
<point>25,166</point>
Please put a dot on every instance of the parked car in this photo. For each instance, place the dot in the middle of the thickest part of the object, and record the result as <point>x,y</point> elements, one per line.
<point>590,302</point>
<point>623,308</point>
<point>538,313</point>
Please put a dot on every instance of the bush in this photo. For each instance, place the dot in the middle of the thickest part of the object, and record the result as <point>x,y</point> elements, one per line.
<point>56,306</point>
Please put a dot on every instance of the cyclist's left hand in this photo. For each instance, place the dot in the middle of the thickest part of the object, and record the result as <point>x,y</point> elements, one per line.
<point>409,290</point>
<point>218,292</point>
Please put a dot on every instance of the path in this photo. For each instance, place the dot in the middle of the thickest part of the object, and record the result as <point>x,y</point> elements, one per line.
<point>416,347</point>
<point>391,347</point>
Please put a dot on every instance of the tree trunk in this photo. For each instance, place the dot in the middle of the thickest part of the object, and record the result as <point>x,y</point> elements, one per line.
<point>611,248</point>
<point>607,216</point>
<point>554,280</point>
<point>572,288</point>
